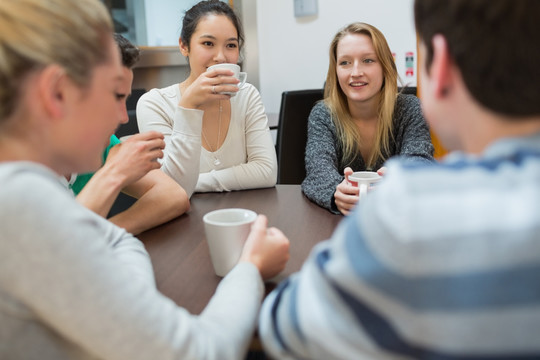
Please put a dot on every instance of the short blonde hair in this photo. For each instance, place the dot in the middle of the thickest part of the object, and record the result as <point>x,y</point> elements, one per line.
<point>336,100</point>
<point>36,33</point>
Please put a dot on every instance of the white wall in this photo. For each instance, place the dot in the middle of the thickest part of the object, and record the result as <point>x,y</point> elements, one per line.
<point>164,20</point>
<point>293,52</point>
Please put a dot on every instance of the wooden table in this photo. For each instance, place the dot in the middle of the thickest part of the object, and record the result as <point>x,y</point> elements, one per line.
<point>179,251</point>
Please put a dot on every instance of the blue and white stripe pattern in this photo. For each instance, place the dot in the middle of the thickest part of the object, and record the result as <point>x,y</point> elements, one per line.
<point>440,262</point>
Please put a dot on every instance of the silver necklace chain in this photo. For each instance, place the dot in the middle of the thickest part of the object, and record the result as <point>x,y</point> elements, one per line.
<point>217,162</point>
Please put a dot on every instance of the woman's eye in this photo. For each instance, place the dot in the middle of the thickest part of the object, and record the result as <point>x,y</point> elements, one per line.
<point>369,61</point>
<point>344,62</point>
<point>120,97</point>
<point>232,46</point>
<point>208,43</point>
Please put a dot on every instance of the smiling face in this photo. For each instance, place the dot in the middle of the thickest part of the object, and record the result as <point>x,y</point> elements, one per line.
<point>214,41</point>
<point>359,72</point>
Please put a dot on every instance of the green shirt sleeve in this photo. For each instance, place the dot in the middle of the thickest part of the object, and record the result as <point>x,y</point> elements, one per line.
<point>83,179</point>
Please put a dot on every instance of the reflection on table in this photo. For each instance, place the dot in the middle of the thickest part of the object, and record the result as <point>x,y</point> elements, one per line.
<point>180,254</point>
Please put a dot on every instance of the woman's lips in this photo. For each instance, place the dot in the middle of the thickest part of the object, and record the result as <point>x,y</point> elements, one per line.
<point>358,84</point>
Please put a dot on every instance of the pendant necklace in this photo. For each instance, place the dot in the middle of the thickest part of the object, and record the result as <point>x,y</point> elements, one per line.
<point>217,162</point>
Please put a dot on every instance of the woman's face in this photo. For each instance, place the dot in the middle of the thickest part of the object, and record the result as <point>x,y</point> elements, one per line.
<point>214,41</point>
<point>358,69</point>
<point>93,114</point>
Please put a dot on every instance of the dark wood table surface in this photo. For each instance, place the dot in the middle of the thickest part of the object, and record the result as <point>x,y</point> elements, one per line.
<point>179,251</point>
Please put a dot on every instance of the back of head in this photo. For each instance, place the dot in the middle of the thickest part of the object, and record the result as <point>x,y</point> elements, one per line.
<point>205,8</point>
<point>494,43</point>
<point>37,33</point>
<point>129,53</point>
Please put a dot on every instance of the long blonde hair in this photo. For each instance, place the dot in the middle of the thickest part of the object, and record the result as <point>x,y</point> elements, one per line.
<point>37,33</point>
<point>336,100</point>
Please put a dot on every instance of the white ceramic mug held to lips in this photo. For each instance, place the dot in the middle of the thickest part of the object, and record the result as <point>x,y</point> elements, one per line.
<point>241,76</point>
<point>362,180</point>
<point>226,232</point>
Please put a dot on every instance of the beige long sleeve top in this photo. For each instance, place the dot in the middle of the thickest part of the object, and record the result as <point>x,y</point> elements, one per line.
<point>247,157</point>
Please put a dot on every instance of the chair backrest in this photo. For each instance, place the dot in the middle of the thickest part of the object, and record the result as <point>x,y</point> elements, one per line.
<point>292,133</point>
<point>410,90</point>
<point>131,104</point>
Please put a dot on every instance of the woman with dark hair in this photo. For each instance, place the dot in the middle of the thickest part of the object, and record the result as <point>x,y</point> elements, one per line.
<point>362,121</point>
<point>214,141</point>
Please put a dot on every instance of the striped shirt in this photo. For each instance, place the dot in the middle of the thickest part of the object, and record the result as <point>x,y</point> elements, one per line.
<point>442,261</point>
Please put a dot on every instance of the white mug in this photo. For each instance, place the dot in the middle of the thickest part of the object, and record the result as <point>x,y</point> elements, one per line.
<point>362,180</point>
<point>242,76</point>
<point>226,232</point>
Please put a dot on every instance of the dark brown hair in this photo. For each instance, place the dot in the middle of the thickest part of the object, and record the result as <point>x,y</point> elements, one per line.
<point>494,43</point>
<point>204,8</point>
<point>129,52</point>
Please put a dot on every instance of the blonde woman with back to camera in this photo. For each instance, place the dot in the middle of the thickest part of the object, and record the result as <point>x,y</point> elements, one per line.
<point>72,284</point>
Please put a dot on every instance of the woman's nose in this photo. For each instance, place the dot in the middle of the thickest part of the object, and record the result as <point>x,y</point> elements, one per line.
<point>219,57</point>
<point>357,70</point>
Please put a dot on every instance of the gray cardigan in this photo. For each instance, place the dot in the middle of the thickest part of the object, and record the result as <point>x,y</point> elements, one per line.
<point>324,168</point>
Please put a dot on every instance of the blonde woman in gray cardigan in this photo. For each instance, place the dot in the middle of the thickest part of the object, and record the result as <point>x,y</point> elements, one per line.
<point>362,120</point>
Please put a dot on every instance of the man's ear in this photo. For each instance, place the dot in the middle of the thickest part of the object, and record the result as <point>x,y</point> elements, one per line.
<point>184,48</point>
<point>52,86</point>
<point>441,67</point>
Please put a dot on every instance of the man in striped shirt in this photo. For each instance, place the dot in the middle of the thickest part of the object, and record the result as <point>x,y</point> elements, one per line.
<point>441,261</point>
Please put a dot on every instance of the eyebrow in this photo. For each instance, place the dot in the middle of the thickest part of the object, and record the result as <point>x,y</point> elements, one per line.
<point>214,38</point>
<point>363,55</point>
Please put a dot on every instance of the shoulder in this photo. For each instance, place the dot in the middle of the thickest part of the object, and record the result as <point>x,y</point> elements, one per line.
<point>320,115</point>
<point>321,126</point>
<point>406,102</point>
<point>169,94</point>
<point>457,182</point>
<point>248,89</point>
<point>320,109</point>
<point>25,183</point>
<point>247,105</point>
<point>13,173</point>
<point>246,96</point>
<point>408,109</point>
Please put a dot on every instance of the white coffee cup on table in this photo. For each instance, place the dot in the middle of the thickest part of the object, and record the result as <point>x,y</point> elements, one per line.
<point>226,232</point>
<point>363,180</point>
<point>241,76</point>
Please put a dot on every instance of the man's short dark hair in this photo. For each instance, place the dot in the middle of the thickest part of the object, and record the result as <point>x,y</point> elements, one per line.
<point>495,45</point>
<point>130,53</point>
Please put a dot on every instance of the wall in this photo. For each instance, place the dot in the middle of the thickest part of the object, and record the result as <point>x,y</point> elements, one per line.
<point>163,20</point>
<point>293,52</point>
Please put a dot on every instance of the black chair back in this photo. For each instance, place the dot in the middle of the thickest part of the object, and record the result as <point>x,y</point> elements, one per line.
<point>292,133</point>
<point>409,90</point>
